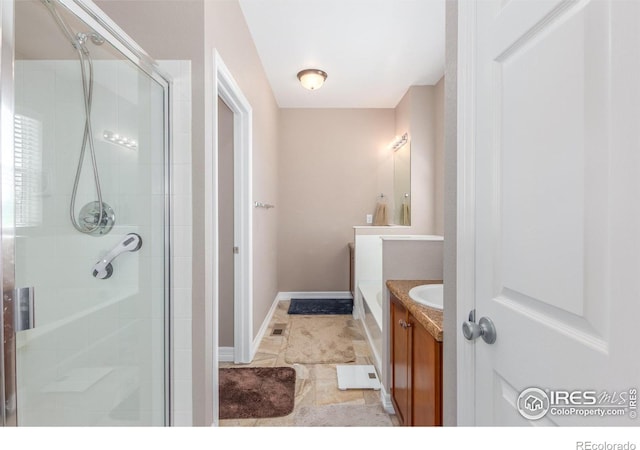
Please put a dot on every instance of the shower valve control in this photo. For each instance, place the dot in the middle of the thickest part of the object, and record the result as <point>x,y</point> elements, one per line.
<point>103,268</point>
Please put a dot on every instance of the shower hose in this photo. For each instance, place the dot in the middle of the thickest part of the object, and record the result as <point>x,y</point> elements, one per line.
<point>78,41</point>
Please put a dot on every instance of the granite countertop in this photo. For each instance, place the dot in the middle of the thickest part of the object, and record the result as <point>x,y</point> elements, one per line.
<point>429,318</point>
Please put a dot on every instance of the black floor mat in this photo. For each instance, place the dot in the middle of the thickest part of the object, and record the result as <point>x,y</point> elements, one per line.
<point>321,306</point>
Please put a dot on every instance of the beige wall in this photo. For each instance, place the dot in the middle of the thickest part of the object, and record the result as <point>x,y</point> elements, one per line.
<point>416,114</point>
<point>225,226</point>
<point>226,31</point>
<point>333,164</point>
<point>439,157</point>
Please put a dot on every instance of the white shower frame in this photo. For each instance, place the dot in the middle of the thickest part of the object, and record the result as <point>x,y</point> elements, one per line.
<point>94,17</point>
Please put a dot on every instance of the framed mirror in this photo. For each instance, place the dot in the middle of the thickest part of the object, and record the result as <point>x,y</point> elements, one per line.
<point>402,181</point>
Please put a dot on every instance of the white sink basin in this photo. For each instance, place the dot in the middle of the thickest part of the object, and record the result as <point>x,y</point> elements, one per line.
<point>428,295</point>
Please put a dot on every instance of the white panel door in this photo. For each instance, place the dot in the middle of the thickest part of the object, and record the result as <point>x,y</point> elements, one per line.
<point>557,211</point>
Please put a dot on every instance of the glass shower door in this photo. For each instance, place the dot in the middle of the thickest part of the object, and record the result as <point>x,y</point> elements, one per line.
<point>96,352</point>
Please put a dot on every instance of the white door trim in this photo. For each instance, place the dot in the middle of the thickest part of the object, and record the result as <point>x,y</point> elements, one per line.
<point>228,90</point>
<point>465,239</point>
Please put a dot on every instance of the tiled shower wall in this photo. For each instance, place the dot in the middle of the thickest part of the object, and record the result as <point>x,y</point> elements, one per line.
<point>95,334</point>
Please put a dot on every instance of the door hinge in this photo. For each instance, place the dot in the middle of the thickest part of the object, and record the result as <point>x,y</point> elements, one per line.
<point>236,250</point>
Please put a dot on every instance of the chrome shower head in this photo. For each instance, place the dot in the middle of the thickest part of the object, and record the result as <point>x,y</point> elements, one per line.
<point>78,40</point>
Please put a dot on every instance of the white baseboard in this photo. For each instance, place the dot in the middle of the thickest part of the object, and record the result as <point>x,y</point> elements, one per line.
<point>313,294</point>
<point>264,327</point>
<point>358,311</point>
<point>226,354</point>
<point>386,401</point>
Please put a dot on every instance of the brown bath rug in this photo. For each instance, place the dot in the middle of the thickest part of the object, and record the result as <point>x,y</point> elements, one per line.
<point>321,340</point>
<point>256,392</point>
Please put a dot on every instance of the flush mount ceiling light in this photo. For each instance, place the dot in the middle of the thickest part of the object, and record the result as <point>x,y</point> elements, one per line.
<point>312,79</point>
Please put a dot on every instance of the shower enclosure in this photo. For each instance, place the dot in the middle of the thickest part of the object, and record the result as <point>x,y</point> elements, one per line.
<point>85,206</point>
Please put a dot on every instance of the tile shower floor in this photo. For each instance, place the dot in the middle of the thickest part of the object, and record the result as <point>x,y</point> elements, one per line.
<point>316,385</point>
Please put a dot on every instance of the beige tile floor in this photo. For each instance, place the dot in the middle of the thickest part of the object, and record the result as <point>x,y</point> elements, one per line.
<point>316,384</point>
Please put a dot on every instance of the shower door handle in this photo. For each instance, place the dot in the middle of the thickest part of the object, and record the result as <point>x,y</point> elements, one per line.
<point>23,309</point>
<point>103,268</point>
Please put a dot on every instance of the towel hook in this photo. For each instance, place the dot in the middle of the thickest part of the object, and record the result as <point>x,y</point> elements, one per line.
<point>263,205</point>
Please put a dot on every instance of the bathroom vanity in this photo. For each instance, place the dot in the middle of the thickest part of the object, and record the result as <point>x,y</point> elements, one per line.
<point>416,356</point>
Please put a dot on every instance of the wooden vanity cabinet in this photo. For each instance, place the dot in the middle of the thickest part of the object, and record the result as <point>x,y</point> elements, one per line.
<point>416,370</point>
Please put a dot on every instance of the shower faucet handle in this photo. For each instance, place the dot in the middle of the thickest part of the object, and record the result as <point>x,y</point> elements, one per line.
<point>103,268</point>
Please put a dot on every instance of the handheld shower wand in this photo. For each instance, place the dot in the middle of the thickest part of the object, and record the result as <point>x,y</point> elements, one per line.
<point>103,268</point>
<point>96,218</point>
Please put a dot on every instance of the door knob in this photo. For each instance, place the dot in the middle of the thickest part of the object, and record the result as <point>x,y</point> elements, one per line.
<point>484,328</point>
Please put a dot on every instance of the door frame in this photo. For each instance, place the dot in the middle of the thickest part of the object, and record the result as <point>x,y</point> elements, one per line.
<point>225,87</point>
<point>466,202</point>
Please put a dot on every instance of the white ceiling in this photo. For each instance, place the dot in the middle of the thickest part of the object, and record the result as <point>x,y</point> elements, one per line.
<point>372,50</point>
